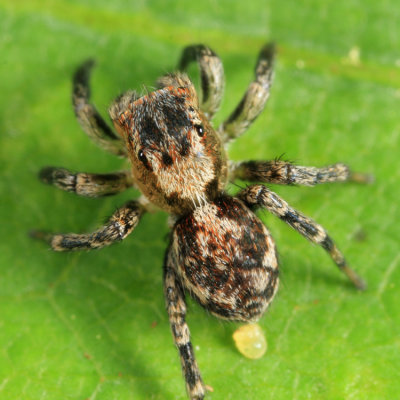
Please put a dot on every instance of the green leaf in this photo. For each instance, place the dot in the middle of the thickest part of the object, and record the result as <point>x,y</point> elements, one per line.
<point>93,325</point>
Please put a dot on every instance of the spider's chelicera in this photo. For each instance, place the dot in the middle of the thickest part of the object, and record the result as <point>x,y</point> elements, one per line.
<point>220,253</point>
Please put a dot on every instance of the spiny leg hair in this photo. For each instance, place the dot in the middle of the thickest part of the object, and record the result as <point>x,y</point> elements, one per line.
<point>260,196</point>
<point>254,100</point>
<point>117,228</point>
<point>86,184</point>
<point>176,307</point>
<point>211,75</point>
<point>89,118</point>
<point>286,173</point>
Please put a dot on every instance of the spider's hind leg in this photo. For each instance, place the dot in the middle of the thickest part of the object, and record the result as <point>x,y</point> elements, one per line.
<point>286,173</point>
<point>89,118</point>
<point>176,307</point>
<point>85,184</point>
<point>260,196</point>
<point>211,75</point>
<point>254,99</point>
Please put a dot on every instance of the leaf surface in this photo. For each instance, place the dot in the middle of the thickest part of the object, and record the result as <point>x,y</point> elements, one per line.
<point>93,325</point>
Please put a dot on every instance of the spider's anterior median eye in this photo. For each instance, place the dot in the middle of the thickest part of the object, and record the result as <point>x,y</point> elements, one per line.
<point>200,130</point>
<point>142,157</point>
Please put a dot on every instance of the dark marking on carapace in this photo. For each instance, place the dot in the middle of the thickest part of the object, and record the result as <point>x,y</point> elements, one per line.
<point>166,159</point>
<point>176,120</point>
<point>185,147</point>
<point>149,132</point>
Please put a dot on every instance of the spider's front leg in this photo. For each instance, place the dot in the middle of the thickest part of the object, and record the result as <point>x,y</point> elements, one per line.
<point>176,307</point>
<point>211,75</point>
<point>89,118</point>
<point>260,196</point>
<point>286,173</point>
<point>117,228</point>
<point>254,100</point>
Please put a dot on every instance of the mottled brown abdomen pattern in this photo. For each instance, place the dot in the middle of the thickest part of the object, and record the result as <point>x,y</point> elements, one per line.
<point>226,259</point>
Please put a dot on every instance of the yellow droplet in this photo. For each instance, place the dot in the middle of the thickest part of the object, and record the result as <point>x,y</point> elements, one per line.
<point>250,341</point>
<point>353,57</point>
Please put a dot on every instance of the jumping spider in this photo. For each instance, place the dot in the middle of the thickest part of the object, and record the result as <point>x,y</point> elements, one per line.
<point>219,251</point>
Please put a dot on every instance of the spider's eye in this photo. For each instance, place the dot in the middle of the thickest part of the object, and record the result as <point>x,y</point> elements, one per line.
<point>142,157</point>
<point>200,130</point>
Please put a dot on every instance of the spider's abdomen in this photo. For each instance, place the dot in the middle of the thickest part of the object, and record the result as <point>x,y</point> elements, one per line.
<point>226,258</point>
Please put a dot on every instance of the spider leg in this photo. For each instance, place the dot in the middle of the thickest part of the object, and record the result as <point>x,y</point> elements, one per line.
<point>176,307</point>
<point>117,228</point>
<point>254,99</point>
<point>89,118</point>
<point>85,184</point>
<point>260,196</point>
<point>211,75</point>
<point>285,173</point>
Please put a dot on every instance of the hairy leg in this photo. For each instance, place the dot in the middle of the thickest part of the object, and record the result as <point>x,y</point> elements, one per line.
<point>85,184</point>
<point>89,118</point>
<point>285,173</point>
<point>260,196</point>
<point>254,100</point>
<point>176,307</point>
<point>211,75</point>
<point>117,228</point>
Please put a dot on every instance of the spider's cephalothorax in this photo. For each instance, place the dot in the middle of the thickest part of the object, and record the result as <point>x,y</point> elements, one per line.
<point>177,157</point>
<point>220,252</point>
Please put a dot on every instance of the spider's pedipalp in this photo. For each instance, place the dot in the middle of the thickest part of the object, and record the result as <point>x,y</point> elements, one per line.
<point>117,228</point>
<point>88,117</point>
<point>86,184</point>
<point>260,196</point>
<point>211,75</point>
<point>254,100</point>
